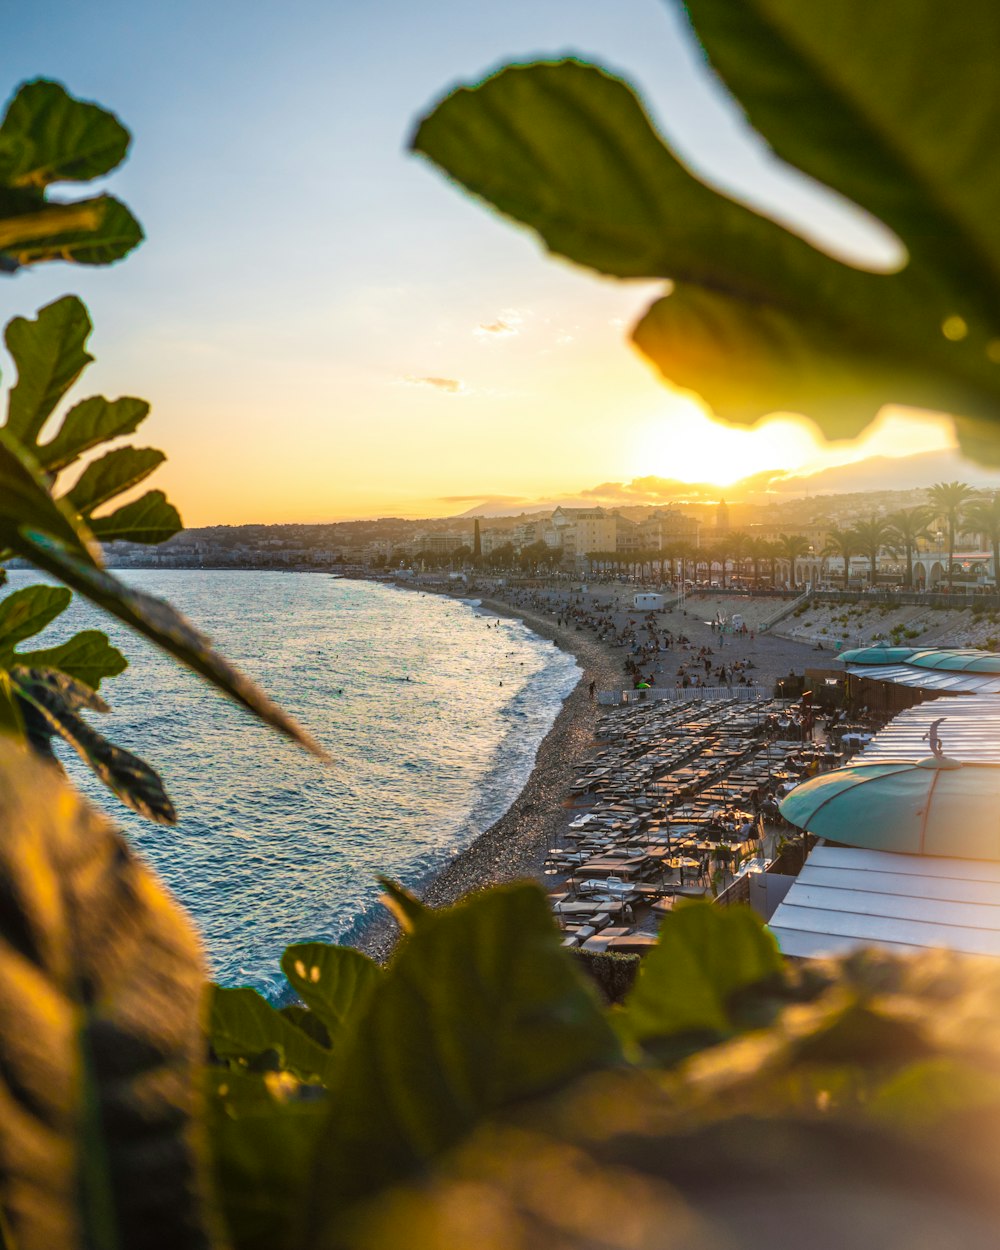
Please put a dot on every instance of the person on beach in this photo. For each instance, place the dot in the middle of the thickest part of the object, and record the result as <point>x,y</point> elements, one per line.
<point>593,687</point>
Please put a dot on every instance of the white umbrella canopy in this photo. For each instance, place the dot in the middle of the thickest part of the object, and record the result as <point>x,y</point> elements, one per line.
<point>935,806</point>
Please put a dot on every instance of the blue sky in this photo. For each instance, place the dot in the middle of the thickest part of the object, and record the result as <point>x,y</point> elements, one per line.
<point>300,266</point>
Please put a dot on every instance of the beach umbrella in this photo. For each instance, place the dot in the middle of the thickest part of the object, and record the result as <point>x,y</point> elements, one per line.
<point>935,806</point>
<point>877,655</point>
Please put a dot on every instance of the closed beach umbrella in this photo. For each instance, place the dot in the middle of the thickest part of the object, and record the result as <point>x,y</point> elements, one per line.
<point>936,806</point>
<point>877,655</point>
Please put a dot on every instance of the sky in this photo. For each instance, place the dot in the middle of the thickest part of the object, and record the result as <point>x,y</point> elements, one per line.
<point>325,327</point>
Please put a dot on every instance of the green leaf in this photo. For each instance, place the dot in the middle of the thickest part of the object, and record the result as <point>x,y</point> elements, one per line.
<point>335,981</point>
<point>263,1139</point>
<point>704,956</point>
<point>162,625</point>
<point>50,356</point>
<point>480,1009</point>
<point>25,501</point>
<point>26,612</point>
<point>149,519</point>
<point>89,423</point>
<point>114,472</point>
<point>759,320</point>
<point>100,980</point>
<point>49,136</point>
<point>113,234</point>
<point>405,907</point>
<point>87,656</point>
<point>56,699</point>
<point>243,1025</point>
<point>308,1022</point>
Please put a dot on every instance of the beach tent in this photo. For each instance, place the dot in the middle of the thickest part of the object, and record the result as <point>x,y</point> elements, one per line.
<point>648,602</point>
<point>933,806</point>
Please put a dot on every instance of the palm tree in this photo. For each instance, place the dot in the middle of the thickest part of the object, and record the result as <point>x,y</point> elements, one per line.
<point>949,498</point>
<point>982,516</point>
<point>739,546</point>
<point>842,543</point>
<point>871,536</point>
<point>758,550</point>
<point>909,525</point>
<point>792,547</point>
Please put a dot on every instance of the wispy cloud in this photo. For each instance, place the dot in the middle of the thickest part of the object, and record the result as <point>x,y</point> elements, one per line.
<point>451,386</point>
<point>507,324</point>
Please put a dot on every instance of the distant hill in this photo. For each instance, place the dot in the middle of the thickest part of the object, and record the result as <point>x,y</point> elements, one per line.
<point>890,473</point>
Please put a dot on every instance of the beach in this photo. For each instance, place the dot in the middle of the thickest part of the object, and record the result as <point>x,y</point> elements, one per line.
<point>515,846</point>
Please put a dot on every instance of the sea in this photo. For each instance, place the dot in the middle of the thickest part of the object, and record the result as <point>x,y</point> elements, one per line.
<point>431,709</point>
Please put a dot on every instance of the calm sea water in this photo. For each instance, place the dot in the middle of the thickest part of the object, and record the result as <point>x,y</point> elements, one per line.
<point>433,720</point>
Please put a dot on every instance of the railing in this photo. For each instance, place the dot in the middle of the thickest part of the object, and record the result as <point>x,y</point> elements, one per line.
<point>786,609</point>
<point>681,694</point>
<point>911,598</point>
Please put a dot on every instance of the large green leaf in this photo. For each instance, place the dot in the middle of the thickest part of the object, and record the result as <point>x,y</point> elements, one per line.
<point>480,1009</point>
<point>263,1135</point>
<point>759,320</point>
<point>86,425</point>
<point>87,656</point>
<point>162,625</point>
<point>112,473</point>
<point>100,982</point>
<point>242,1025</point>
<point>26,500</point>
<point>335,981</point>
<point>704,956</point>
<point>48,136</point>
<point>58,699</point>
<point>49,354</point>
<point>26,612</point>
<point>148,519</point>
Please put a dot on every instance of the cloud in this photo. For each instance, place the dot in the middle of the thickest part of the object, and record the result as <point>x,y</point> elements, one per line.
<point>451,386</point>
<point>663,490</point>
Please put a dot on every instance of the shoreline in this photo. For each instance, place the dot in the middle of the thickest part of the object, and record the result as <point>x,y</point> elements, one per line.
<point>513,848</point>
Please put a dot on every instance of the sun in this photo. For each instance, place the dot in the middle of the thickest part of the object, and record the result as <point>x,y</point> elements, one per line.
<point>689,445</point>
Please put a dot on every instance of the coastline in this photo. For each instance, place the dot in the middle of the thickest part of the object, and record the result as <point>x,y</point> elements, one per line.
<point>513,848</point>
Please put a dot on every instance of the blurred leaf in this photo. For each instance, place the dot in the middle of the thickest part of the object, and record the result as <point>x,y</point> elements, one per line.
<point>704,956</point>
<point>263,1139</point>
<point>100,978</point>
<point>335,981</point>
<point>25,500</point>
<point>243,1025</point>
<point>759,320</point>
<point>114,472</point>
<point>57,699</point>
<point>113,235</point>
<point>161,624</point>
<point>26,612</point>
<point>480,1009</point>
<point>48,136</point>
<point>308,1022</point>
<point>88,423</point>
<point>87,656</point>
<point>149,519</point>
<point>405,907</point>
<point>49,355</point>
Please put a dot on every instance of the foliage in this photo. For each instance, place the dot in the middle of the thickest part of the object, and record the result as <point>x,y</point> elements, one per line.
<point>758,320</point>
<point>48,137</point>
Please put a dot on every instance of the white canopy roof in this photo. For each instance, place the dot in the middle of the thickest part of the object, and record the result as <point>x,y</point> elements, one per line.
<point>970,732</point>
<point>845,899</point>
<point>929,678</point>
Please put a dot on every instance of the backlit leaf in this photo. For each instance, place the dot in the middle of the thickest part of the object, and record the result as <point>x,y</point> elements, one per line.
<point>89,423</point>
<point>149,519</point>
<point>335,981</point>
<point>26,612</point>
<point>25,500</point>
<point>49,354</point>
<point>100,980</point>
<point>47,136</point>
<point>480,1009</point>
<point>114,234</point>
<point>243,1025</point>
<point>112,473</point>
<point>162,625</point>
<point>87,656</point>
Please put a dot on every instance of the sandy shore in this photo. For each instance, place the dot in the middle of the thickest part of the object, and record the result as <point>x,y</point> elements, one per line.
<point>515,846</point>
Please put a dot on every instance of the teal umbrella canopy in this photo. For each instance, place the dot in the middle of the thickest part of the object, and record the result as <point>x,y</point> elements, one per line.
<point>958,660</point>
<point>936,806</point>
<point>877,655</point>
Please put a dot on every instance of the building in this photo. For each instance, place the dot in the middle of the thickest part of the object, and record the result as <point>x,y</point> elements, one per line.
<point>667,528</point>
